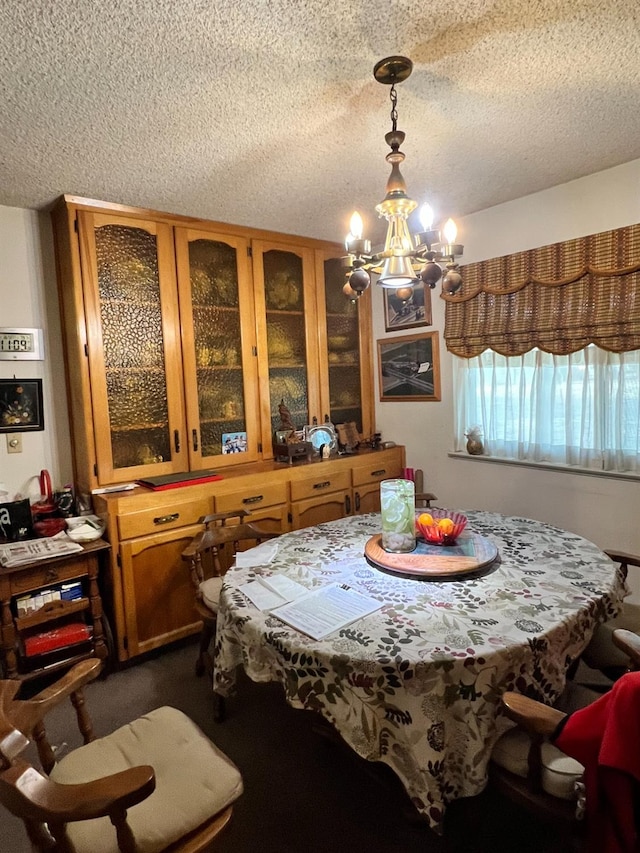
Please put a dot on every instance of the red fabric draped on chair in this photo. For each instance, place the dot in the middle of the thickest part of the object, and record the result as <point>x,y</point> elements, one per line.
<point>605,738</point>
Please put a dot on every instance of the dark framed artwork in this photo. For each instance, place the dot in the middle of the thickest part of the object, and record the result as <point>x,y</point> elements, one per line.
<point>21,405</point>
<point>407,307</point>
<point>409,367</point>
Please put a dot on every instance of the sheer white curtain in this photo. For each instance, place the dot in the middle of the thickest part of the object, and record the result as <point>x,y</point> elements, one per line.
<point>581,409</point>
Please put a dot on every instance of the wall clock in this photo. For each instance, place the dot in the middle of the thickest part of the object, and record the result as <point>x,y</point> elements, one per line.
<point>21,344</point>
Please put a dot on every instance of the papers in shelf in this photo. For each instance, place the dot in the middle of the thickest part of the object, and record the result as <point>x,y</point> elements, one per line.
<point>17,553</point>
<point>269,592</point>
<point>327,609</point>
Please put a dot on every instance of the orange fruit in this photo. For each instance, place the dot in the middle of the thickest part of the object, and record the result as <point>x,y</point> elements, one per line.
<point>446,525</point>
<point>425,518</point>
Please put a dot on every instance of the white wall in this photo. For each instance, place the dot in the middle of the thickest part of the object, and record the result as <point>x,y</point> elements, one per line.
<point>29,299</point>
<point>605,510</point>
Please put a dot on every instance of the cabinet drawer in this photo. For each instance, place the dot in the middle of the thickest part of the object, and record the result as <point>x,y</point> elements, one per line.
<point>253,498</point>
<point>301,489</point>
<point>376,470</point>
<point>33,579</point>
<point>164,517</point>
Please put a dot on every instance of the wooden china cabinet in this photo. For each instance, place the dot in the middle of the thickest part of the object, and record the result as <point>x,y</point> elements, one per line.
<point>181,338</point>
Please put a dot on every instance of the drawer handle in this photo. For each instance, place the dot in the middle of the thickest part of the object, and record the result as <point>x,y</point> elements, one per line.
<point>379,473</point>
<point>166,519</point>
<point>322,485</point>
<point>254,500</point>
<point>50,575</point>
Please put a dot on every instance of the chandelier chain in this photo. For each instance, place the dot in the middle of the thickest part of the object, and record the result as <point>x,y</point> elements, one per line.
<point>394,103</point>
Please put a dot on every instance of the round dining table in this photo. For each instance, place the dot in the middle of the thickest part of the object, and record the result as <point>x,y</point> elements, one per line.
<point>417,683</point>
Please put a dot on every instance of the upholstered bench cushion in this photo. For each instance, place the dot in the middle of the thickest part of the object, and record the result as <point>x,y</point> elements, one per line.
<point>194,780</point>
<point>210,590</point>
<point>559,771</point>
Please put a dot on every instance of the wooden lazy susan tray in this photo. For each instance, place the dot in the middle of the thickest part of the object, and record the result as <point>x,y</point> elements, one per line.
<point>471,556</point>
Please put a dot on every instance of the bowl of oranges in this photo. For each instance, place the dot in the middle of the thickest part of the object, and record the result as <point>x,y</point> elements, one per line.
<point>440,526</point>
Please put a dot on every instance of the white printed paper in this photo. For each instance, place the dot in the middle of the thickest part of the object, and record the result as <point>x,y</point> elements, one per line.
<point>269,592</point>
<point>327,609</point>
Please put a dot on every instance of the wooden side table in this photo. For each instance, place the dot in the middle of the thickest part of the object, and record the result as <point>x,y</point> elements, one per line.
<point>83,566</point>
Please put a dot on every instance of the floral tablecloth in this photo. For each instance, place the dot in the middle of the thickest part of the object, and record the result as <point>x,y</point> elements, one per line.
<point>417,684</point>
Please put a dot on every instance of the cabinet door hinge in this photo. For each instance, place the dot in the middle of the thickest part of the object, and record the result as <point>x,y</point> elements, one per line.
<point>125,643</point>
<point>86,350</point>
<point>95,469</point>
<point>254,351</point>
<point>249,252</point>
<point>119,560</point>
<point>290,518</point>
<point>75,224</point>
<point>259,447</point>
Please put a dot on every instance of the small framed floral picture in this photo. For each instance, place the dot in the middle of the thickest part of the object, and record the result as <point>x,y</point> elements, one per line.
<point>21,405</point>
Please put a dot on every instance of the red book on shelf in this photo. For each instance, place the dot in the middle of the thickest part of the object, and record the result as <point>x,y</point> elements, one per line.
<point>56,638</point>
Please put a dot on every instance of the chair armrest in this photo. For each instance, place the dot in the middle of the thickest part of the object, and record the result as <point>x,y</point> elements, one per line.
<point>629,643</point>
<point>26,713</point>
<point>534,717</point>
<point>28,793</point>
<point>624,559</point>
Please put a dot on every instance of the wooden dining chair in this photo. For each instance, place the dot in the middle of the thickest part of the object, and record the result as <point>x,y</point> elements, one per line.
<point>528,769</point>
<point>156,785</point>
<point>602,653</point>
<point>209,555</point>
<point>423,499</point>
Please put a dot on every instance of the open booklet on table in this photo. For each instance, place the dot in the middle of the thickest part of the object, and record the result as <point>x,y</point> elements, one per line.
<point>318,612</point>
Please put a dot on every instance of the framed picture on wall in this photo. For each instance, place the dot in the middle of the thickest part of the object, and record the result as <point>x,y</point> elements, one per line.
<point>407,307</point>
<point>409,368</point>
<point>21,405</point>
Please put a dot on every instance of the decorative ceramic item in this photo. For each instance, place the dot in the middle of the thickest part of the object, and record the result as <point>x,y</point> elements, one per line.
<point>475,447</point>
<point>397,505</point>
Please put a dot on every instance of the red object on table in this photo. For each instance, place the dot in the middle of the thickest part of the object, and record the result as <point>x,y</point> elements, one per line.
<point>56,638</point>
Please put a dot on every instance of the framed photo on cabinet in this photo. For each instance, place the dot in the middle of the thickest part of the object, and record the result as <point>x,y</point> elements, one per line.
<point>409,368</point>
<point>407,307</point>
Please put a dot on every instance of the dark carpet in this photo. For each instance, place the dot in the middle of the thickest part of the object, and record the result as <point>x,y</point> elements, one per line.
<point>304,793</point>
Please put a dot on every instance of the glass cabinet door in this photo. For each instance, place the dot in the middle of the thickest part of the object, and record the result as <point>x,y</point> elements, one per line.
<point>345,341</point>
<point>287,324</point>
<point>219,348</point>
<point>133,346</point>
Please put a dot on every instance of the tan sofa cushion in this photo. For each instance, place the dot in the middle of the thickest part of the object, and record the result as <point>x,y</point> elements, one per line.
<point>194,780</point>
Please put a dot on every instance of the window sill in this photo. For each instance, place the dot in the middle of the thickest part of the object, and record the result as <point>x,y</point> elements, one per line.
<point>546,466</point>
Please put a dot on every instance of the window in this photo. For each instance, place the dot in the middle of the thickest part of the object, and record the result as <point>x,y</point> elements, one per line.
<point>581,409</point>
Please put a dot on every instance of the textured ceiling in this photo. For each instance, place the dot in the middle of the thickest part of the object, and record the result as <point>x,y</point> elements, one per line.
<point>266,113</point>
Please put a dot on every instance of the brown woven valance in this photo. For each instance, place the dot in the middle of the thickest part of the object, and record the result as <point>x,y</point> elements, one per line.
<point>559,298</point>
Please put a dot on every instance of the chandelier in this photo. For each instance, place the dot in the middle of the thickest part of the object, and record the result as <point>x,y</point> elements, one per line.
<point>404,261</point>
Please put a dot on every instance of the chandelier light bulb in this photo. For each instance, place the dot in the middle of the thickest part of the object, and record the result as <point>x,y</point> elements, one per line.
<point>356,225</point>
<point>426,216</point>
<point>450,231</point>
